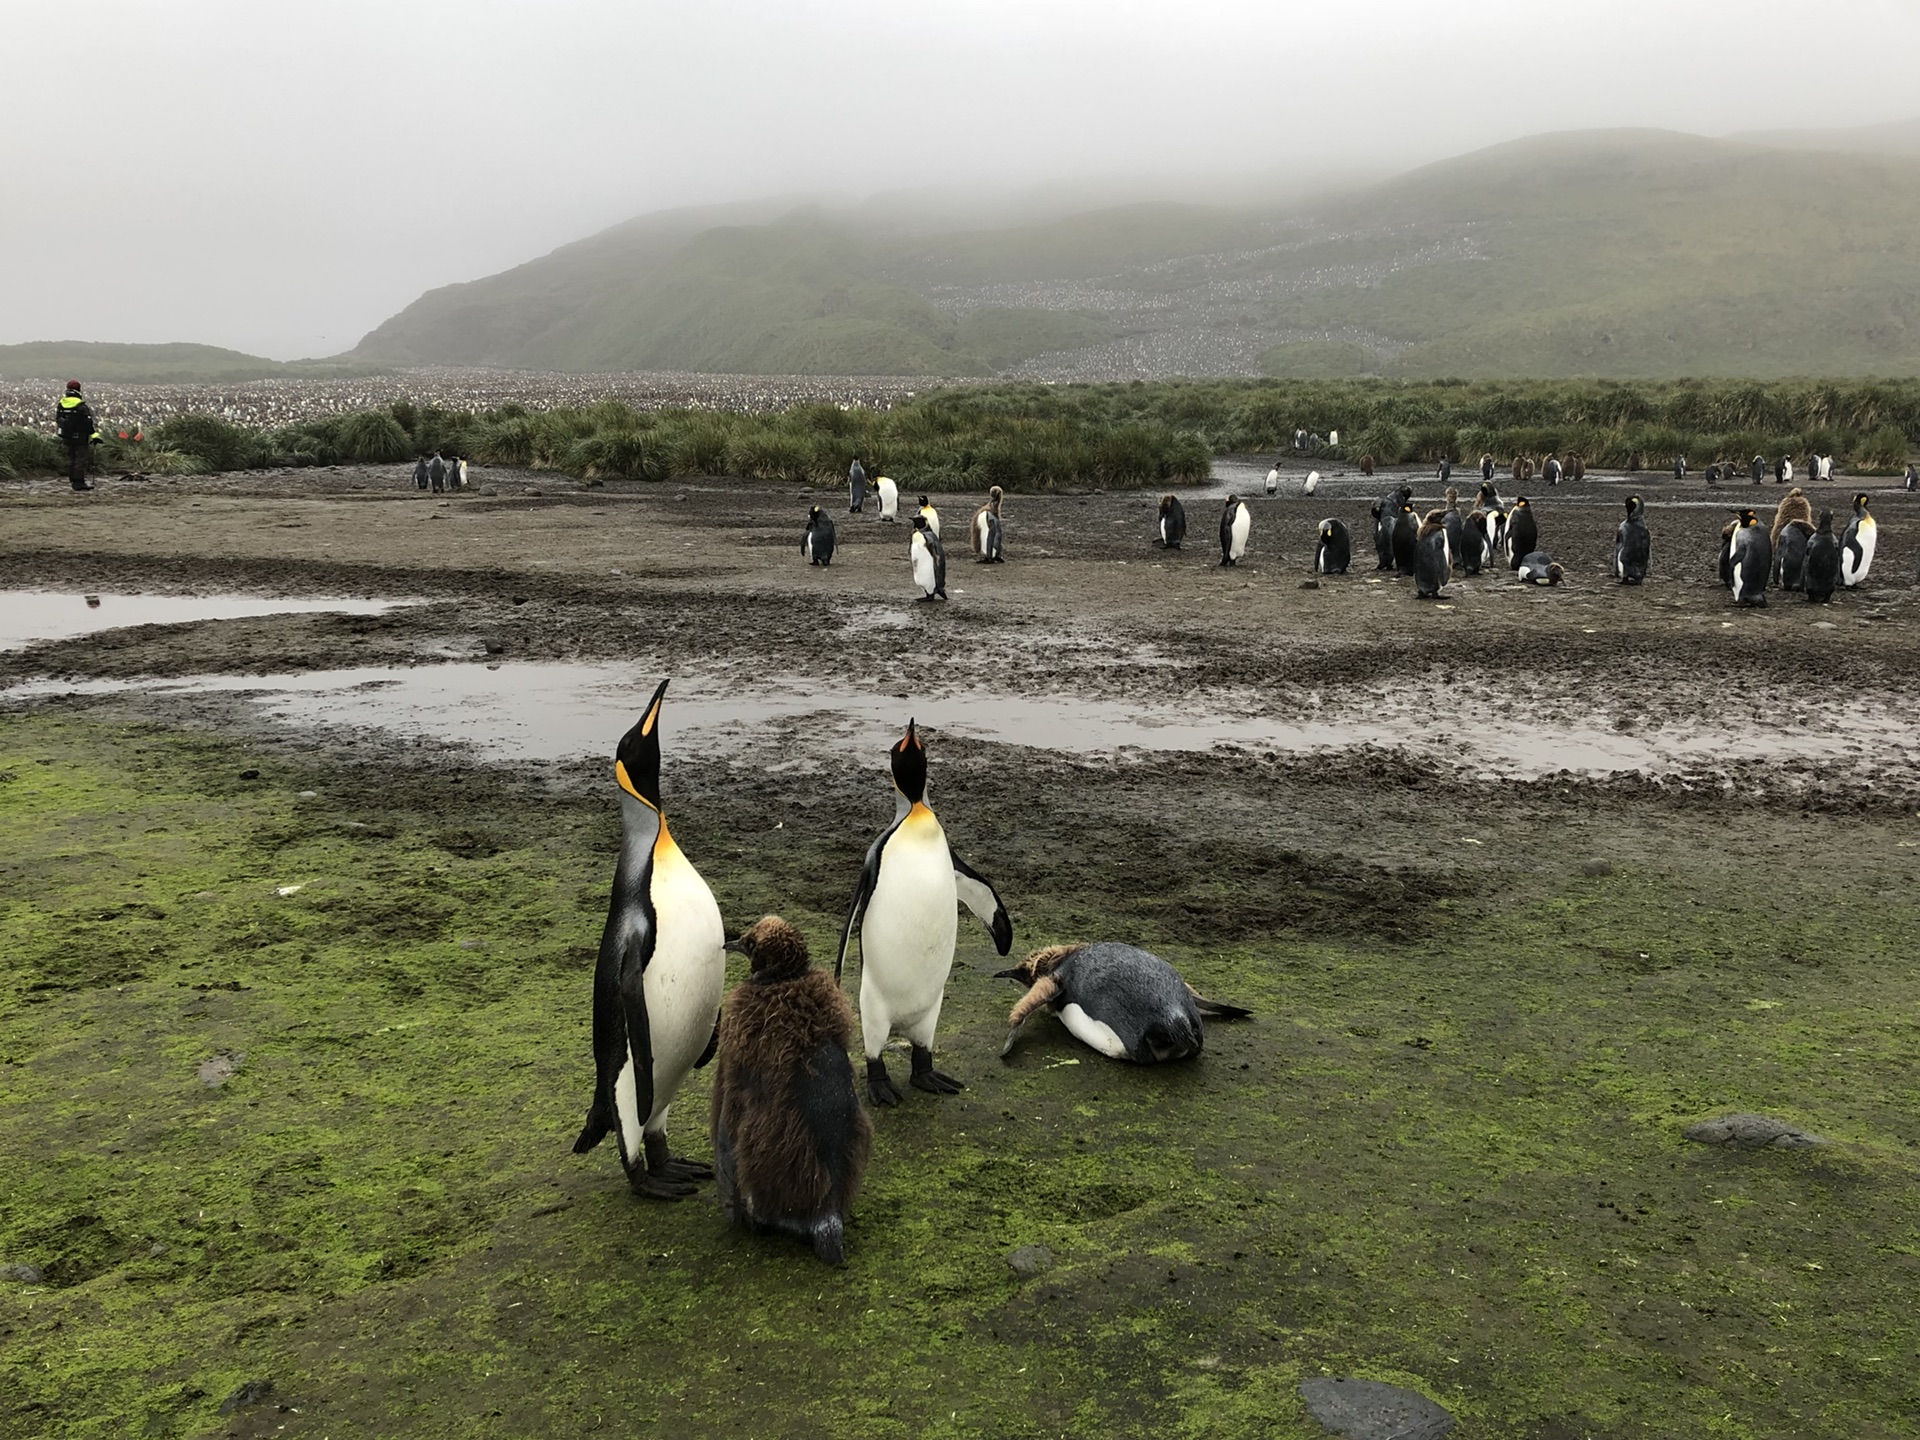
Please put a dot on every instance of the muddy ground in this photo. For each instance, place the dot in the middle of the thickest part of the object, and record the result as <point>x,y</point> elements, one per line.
<point>319,1138</point>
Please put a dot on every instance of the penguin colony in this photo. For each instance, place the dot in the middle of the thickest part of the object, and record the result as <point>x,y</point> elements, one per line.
<point>791,1139</point>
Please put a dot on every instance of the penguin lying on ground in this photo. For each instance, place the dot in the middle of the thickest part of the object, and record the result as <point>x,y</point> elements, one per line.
<point>1125,1002</point>
<point>790,1137</point>
<point>1173,522</point>
<point>1632,545</point>
<point>1856,546</point>
<point>1750,561</point>
<point>656,988</point>
<point>928,559</point>
<point>1334,550</point>
<point>1406,540</point>
<point>889,494</point>
<point>903,907</point>
<point>1790,555</point>
<point>1523,534</point>
<point>817,543</point>
<point>1236,521</point>
<point>1822,570</point>
<point>1432,560</point>
<point>985,532</point>
<point>1539,569</point>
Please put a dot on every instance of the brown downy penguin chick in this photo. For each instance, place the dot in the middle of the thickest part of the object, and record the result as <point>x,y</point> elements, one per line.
<point>985,534</point>
<point>790,1137</point>
<point>1793,506</point>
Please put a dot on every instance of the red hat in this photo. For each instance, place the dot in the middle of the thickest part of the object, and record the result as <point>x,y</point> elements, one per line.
<point>73,384</point>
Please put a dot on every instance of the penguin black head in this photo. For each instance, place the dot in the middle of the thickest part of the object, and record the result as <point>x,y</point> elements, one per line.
<point>1520,502</point>
<point>636,763</point>
<point>1634,503</point>
<point>1860,502</point>
<point>909,760</point>
<point>923,502</point>
<point>1826,522</point>
<point>1746,518</point>
<point>920,522</point>
<point>777,950</point>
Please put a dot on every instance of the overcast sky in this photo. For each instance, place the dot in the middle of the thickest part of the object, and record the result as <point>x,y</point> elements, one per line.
<point>281,175</point>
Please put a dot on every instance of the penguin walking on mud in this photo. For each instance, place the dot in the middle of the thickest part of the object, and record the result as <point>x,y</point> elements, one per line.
<point>817,543</point>
<point>1538,568</point>
<point>1123,1001</point>
<point>1632,544</point>
<point>1333,552</point>
<point>889,494</point>
<point>930,515</point>
<point>1406,540</point>
<point>1432,561</point>
<point>984,534</point>
<point>1821,574</point>
<point>1173,522</point>
<point>656,988</point>
<point>856,487</point>
<point>1523,533</point>
<point>1856,546</point>
<point>904,908</point>
<point>929,560</point>
<point>791,1139</point>
<point>1236,522</point>
<point>1751,561</point>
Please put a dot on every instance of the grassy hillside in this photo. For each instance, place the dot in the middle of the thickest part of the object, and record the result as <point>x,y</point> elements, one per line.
<point>135,364</point>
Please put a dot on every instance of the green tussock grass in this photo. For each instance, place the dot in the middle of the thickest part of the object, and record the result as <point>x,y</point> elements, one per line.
<point>1452,1162</point>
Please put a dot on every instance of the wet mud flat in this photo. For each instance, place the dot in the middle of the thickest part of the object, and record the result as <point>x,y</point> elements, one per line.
<point>293,1033</point>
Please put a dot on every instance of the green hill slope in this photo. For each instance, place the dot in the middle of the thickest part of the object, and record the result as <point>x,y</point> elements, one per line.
<point>154,364</point>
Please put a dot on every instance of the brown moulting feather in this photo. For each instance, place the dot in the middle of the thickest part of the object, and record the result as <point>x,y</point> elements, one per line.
<point>1045,961</point>
<point>1794,505</point>
<point>1435,520</point>
<point>995,498</point>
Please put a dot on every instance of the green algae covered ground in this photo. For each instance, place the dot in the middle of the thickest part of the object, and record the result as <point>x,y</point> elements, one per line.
<point>1446,1153</point>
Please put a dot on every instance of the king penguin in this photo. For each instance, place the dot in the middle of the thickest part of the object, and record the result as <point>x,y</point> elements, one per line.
<point>1523,534</point>
<point>904,909</point>
<point>1125,1002</point>
<point>1456,527</point>
<point>1236,521</point>
<point>656,989</point>
<point>856,487</point>
<point>1539,568</point>
<point>817,543</point>
<point>985,531</point>
<point>1406,540</point>
<point>929,560</point>
<point>1822,570</point>
<point>1312,483</point>
<point>1432,560</point>
<point>1632,544</point>
<point>1173,522</point>
<point>1751,561</point>
<point>1273,481</point>
<point>1856,546</point>
<point>790,1137</point>
<point>1790,555</point>
<point>889,494</point>
<point>1334,550</point>
<point>1478,552</point>
<point>930,515</point>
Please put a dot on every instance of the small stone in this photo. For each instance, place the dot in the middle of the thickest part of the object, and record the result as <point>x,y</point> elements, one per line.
<point>216,1070</point>
<point>1309,584</point>
<point>309,794</point>
<point>473,944</point>
<point>1374,1410</point>
<point>1753,1132</point>
<point>207,895</point>
<point>496,647</point>
<point>156,1250</point>
<point>25,1274</point>
<point>1597,868</point>
<point>1030,1260</point>
<point>249,774</point>
<point>254,1392</point>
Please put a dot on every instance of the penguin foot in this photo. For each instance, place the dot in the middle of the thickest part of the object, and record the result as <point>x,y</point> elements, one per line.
<point>880,1087</point>
<point>926,1078</point>
<point>659,1187</point>
<point>662,1165</point>
<point>829,1240</point>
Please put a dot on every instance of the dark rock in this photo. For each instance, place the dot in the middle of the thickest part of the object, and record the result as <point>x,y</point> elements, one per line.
<point>218,1069</point>
<point>1309,584</point>
<point>249,774</point>
<point>254,1392</point>
<point>1597,868</point>
<point>496,647</point>
<point>1030,1260</point>
<point>1373,1410</point>
<point>1753,1132</point>
<point>25,1274</point>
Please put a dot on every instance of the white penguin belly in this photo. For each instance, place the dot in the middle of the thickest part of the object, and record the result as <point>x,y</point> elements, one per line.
<point>687,974</point>
<point>912,919</point>
<point>1242,524</point>
<point>1090,1031</point>
<point>980,533</point>
<point>889,498</point>
<point>923,575</point>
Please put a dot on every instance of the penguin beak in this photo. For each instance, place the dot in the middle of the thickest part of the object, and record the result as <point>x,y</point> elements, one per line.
<point>1008,975</point>
<point>738,947</point>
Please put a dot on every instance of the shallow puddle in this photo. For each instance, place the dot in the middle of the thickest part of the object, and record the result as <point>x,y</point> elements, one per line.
<point>535,711</point>
<point>27,616</point>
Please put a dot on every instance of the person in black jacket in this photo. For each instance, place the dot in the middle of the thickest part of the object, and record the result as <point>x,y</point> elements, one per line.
<point>77,432</point>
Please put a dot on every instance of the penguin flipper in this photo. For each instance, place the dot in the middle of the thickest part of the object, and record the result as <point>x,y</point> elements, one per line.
<point>978,895</point>
<point>713,1047</point>
<point>863,892</point>
<point>610,1030</point>
<point>1217,1009</point>
<point>637,952</point>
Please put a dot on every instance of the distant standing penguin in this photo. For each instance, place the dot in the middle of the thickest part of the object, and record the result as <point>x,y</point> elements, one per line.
<point>1123,1001</point>
<point>1790,555</point>
<point>929,560</point>
<point>1486,468</point>
<point>1456,527</point>
<point>1236,521</point>
<point>1523,534</point>
<point>1173,522</point>
<point>1550,472</point>
<point>656,988</point>
<point>889,494</point>
<point>1913,474</point>
<point>1334,550</point>
<point>1446,468</point>
<point>1752,561</point>
<point>1406,540</point>
<point>1759,468</point>
<point>1312,483</point>
<point>1539,569</point>
<point>985,532</point>
<point>1382,519</point>
<point>904,909</point>
<point>1822,571</point>
<point>1273,481</point>
<point>1632,544</point>
<point>1433,561</point>
<point>420,473</point>
<point>856,487</point>
<point>790,1136</point>
<point>817,543</point>
<point>1856,546</point>
<point>930,515</point>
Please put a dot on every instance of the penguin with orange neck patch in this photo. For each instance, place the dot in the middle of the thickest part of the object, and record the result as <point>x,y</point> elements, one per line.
<point>656,989</point>
<point>905,910</point>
